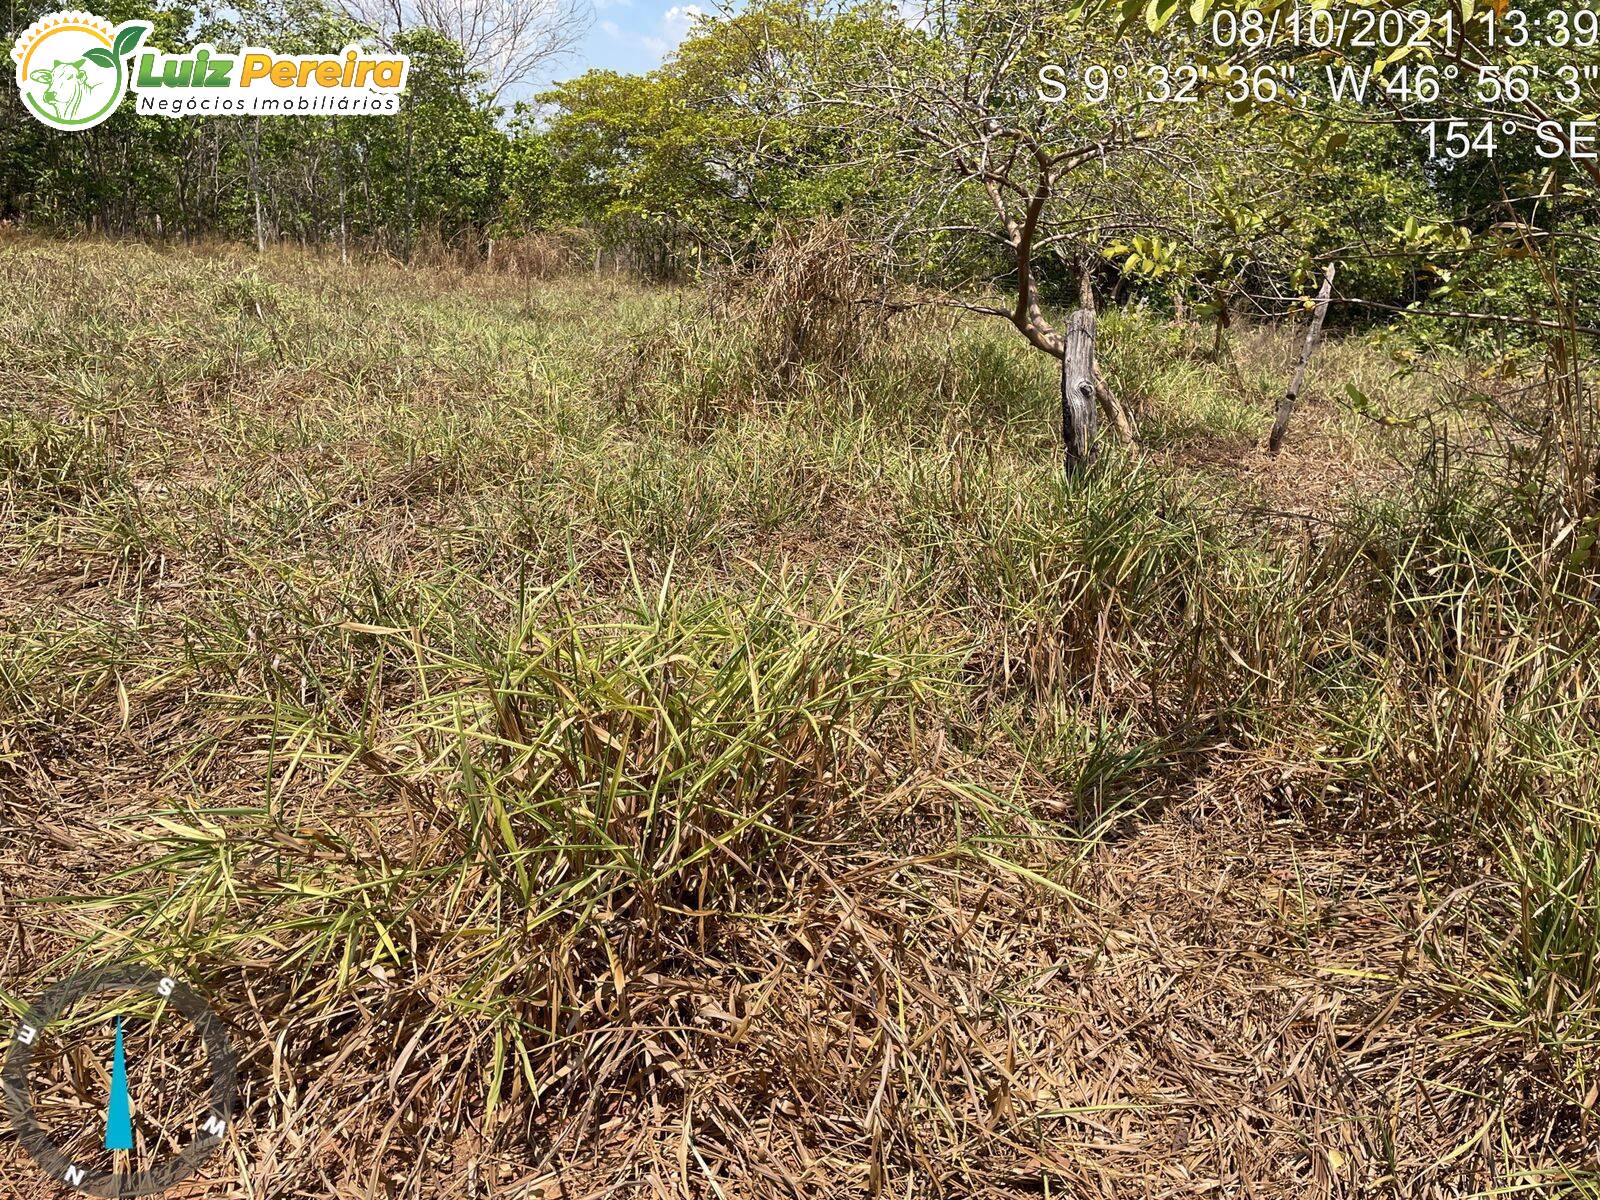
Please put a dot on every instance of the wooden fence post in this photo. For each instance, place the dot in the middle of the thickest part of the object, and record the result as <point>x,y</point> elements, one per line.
<point>1077,389</point>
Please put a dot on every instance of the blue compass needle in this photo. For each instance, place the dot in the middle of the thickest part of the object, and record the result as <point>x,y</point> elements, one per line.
<point>119,1115</point>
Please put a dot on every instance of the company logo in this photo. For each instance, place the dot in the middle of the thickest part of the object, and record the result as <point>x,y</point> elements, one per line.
<point>72,67</point>
<point>73,70</point>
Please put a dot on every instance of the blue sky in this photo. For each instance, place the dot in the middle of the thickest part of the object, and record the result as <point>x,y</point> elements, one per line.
<point>631,35</point>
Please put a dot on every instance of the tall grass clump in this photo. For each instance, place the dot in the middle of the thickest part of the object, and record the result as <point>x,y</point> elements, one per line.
<point>802,319</point>
<point>812,301</point>
<point>1077,583</point>
<point>523,815</point>
<point>1477,713</point>
<point>49,465</point>
<point>1483,629</point>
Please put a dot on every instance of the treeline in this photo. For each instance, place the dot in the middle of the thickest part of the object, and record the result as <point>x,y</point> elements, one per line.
<point>442,167</point>
<point>454,170</point>
<point>758,120</point>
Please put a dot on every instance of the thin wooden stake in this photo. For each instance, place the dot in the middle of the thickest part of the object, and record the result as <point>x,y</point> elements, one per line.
<point>1280,424</point>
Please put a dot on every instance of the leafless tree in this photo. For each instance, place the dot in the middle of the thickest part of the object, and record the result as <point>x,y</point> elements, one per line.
<point>509,41</point>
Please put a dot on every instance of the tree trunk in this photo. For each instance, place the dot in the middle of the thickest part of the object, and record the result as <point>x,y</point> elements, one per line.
<point>344,212</point>
<point>1280,424</point>
<point>410,192</point>
<point>1077,389</point>
<point>255,188</point>
<point>1224,320</point>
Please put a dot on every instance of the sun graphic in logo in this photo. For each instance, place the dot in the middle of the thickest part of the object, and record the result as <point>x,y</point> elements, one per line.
<point>72,67</point>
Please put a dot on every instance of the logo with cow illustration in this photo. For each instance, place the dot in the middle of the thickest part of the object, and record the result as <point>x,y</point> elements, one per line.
<point>72,67</point>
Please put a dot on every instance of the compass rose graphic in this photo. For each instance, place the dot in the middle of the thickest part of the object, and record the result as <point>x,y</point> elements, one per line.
<point>155,1116</point>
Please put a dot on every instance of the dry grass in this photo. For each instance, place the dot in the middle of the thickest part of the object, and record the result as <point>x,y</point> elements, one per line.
<point>714,763</point>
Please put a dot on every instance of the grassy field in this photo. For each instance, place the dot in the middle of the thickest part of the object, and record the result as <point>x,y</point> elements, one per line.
<point>589,745</point>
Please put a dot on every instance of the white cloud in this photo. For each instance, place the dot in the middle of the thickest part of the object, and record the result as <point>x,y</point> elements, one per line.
<point>673,27</point>
<point>680,17</point>
<point>658,39</point>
